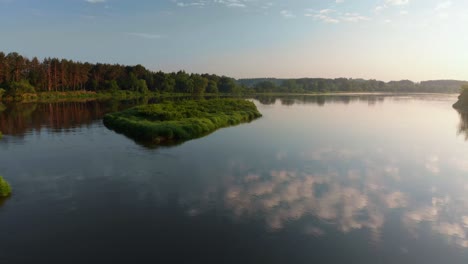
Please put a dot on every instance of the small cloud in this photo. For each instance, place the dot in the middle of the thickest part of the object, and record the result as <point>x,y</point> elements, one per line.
<point>403,12</point>
<point>354,17</point>
<point>236,5</point>
<point>432,164</point>
<point>396,200</point>
<point>331,16</point>
<point>397,2</point>
<point>144,35</point>
<point>182,4</point>
<point>378,9</point>
<point>314,231</point>
<point>287,14</point>
<point>323,15</point>
<point>267,5</point>
<point>327,19</point>
<point>232,3</point>
<point>442,8</point>
<point>95,1</point>
<point>203,3</point>
<point>326,11</point>
<point>339,1</point>
<point>443,5</point>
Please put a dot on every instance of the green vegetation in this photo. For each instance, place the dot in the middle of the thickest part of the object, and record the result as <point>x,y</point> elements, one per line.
<point>462,103</point>
<point>5,188</point>
<point>179,121</point>
<point>118,95</point>
<point>320,85</point>
<point>24,79</point>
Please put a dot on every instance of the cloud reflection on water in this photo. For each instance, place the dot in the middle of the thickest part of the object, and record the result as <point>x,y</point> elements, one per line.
<point>360,196</point>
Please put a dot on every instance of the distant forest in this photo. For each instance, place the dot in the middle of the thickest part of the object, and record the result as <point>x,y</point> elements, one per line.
<point>318,85</point>
<point>22,75</point>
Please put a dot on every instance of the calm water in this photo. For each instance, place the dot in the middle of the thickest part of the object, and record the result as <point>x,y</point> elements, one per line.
<point>338,179</point>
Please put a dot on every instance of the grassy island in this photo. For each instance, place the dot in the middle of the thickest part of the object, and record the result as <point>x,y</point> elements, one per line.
<point>5,188</point>
<point>462,103</point>
<point>179,121</point>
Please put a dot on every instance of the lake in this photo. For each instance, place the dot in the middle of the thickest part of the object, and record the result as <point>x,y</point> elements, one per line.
<point>318,179</point>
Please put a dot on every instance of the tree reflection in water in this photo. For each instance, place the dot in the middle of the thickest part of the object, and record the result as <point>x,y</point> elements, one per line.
<point>17,119</point>
<point>463,127</point>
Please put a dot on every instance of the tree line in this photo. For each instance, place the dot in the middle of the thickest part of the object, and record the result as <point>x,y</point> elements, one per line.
<point>19,74</point>
<point>320,85</point>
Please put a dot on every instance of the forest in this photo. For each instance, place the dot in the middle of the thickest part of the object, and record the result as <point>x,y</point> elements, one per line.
<point>21,76</point>
<point>321,85</point>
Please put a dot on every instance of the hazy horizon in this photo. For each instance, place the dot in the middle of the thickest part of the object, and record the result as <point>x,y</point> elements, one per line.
<point>384,40</point>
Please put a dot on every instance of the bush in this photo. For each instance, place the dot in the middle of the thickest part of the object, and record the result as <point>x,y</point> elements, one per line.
<point>21,87</point>
<point>5,188</point>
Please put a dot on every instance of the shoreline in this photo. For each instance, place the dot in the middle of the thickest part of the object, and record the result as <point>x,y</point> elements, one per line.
<point>173,123</point>
<point>44,97</point>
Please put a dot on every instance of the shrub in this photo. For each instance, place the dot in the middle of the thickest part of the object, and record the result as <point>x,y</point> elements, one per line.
<point>462,103</point>
<point>21,87</point>
<point>5,188</point>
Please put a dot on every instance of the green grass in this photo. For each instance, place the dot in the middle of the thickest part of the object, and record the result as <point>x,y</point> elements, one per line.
<point>57,96</point>
<point>180,121</point>
<point>5,188</point>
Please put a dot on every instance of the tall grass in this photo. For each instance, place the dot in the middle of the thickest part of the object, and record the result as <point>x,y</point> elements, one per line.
<point>180,121</point>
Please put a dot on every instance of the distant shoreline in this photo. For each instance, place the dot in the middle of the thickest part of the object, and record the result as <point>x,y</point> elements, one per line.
<point>355,93</point>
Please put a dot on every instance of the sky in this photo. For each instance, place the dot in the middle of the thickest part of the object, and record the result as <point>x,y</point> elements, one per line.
<point>371,39</point>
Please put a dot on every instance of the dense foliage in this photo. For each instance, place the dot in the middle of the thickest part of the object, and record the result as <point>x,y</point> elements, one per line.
<point>20,75</point>
<point>318,85</point>
<point>179,121</point>
<point>22,78</point>
<point>5,188</point>
<point>462,103</point>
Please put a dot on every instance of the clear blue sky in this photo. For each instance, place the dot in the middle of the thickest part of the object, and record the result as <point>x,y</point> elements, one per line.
<point>379,39</point>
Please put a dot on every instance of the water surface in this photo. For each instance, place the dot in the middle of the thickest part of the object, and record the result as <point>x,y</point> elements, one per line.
<point>318,179</point>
